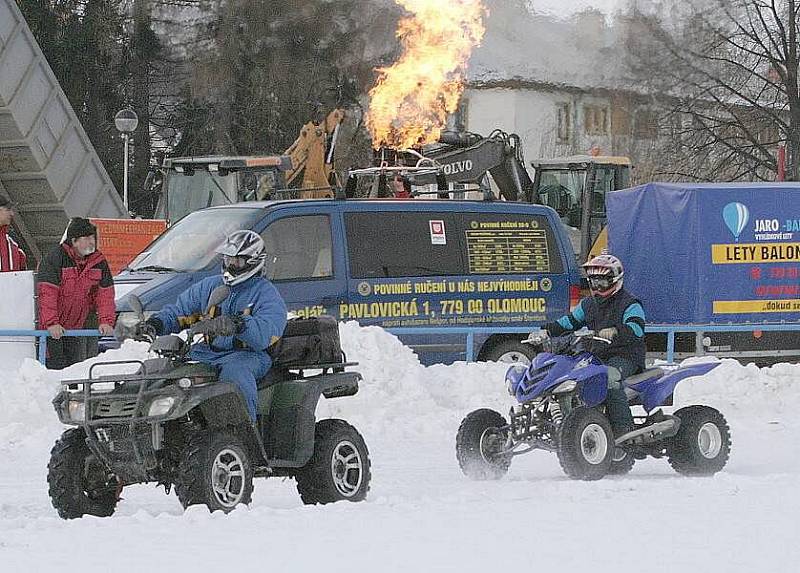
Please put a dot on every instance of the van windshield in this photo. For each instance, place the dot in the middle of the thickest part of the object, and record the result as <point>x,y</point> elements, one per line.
<point>190,243</point>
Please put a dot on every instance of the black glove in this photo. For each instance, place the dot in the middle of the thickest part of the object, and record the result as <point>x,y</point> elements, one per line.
<point>148,330</point>
<point>225,325</point>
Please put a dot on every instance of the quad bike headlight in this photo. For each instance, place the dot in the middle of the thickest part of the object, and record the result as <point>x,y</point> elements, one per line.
<point>161,406</point>
<point>565,387</point>
<point>76,410</point>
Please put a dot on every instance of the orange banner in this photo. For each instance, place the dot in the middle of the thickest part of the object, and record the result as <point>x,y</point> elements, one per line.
<point>120,240</point>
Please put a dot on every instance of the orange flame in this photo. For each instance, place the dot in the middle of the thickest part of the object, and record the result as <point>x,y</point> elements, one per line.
<point>411,99</point>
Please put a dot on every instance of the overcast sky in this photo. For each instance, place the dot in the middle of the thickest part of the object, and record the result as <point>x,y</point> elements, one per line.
<point>560,6</point>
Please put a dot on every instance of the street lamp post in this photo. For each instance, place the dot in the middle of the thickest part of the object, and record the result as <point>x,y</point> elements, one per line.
<point>126,121</point>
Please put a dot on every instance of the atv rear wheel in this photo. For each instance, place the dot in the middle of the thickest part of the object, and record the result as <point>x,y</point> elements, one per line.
<point>79,484</point>
<point>703,442</point>
<point>585,444</point>
<point>477,443</point>
<point>215,471</point>
<point>339,468</point>
<point>621,463</point>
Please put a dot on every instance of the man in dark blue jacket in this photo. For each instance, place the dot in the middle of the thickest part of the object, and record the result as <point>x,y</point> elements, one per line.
<point>616,315</point>
<point>244,325</point>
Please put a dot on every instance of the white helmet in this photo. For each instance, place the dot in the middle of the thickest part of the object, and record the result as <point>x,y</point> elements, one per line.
<point>604,273</point>
<point>243,256</point>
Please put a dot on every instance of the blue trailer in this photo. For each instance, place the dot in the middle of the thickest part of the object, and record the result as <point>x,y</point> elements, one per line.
<point>706,257</point>
<point>709,257</point>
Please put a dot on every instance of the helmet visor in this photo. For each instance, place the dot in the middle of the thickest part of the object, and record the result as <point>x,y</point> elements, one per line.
<point>600,283</point>
<point>236,264</point>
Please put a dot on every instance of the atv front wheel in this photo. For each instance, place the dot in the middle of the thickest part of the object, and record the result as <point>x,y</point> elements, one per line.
<point>79,484</point>
<point>477,442</point>
<point>339,468</point>
<point>586,444</point>
<point>215,471</point>
<point>703,442</point>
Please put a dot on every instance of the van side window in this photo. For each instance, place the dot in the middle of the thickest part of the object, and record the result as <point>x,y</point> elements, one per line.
<point>302,247</point>
<point>510,243</point>
<point>395,244</point>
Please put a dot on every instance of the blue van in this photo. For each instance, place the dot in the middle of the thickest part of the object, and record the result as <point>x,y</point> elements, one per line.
<point>424,264</point>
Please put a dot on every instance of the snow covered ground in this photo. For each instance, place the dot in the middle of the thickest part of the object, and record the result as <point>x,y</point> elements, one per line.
<point>421,513</point>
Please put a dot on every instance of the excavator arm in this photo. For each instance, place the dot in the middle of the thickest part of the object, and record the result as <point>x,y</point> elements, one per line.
<point>467,157</point>
<point>312,157</point>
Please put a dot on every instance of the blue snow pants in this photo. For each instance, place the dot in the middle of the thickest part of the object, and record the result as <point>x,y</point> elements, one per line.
<point>241,367</point>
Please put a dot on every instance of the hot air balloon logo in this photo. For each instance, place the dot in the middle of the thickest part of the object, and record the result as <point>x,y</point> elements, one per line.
<point>736,216</point>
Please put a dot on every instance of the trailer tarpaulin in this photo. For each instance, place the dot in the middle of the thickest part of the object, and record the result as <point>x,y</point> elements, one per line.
<point>710,253</point>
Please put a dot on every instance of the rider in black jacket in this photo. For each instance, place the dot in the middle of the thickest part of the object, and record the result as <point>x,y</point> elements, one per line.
<point>615,314</point>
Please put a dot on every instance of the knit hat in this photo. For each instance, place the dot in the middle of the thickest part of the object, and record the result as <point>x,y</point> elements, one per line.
<point>4,202</point>
<point>79,227</point>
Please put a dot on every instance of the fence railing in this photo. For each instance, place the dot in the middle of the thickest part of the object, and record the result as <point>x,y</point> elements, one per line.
<point>670,329</point>
<point>470,332</point>
<point>43,335</point>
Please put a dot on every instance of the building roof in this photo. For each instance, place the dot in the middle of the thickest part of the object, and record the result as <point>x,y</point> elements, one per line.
<point>521,47</point>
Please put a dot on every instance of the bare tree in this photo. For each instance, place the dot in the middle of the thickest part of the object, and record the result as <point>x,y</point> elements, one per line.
<point>725,74</point>
<point>263,68</point>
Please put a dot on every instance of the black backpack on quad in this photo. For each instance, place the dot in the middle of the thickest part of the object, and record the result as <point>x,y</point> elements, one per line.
<point>173,423</point>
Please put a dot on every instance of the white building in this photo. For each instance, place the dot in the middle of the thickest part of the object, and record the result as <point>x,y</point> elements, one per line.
<point>559,84</point>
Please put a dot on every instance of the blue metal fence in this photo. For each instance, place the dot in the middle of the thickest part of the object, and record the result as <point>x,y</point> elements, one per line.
<point>470,332</point>
<point>669,329</point>
<point>43,335</point>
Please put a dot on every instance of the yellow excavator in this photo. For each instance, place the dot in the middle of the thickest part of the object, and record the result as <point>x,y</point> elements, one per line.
<point>312,157</point>
<point>304,170</point>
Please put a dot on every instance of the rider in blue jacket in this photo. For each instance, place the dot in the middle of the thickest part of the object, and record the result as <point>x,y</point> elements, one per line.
<point>244,325</point>
<point>616,315</point>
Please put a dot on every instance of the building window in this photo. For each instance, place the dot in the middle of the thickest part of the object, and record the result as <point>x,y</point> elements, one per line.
<point>563,122</point>
<point>645,125</point>
<point>595,120</point>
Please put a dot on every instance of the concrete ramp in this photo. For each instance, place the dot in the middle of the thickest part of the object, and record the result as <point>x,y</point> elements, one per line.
<point>48,166</point>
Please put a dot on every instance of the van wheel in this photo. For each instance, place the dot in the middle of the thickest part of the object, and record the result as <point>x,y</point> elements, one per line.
<point>511,351</point>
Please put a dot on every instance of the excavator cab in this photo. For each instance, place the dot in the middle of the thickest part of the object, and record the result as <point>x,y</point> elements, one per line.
<point>192,183</point>
<point>575,187</point>
<point>304,170</point>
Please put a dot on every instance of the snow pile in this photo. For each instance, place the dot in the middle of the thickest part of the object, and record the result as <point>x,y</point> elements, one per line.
<point>422,514</point>
<point>732,387</point>
<point>401,398</point>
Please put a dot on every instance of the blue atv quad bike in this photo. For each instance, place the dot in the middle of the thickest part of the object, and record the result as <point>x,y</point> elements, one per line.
<point>561,396</point>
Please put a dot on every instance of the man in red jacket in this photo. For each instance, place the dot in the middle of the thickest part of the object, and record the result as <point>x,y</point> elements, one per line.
<point>74,284</point>
<point>12,258</point>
